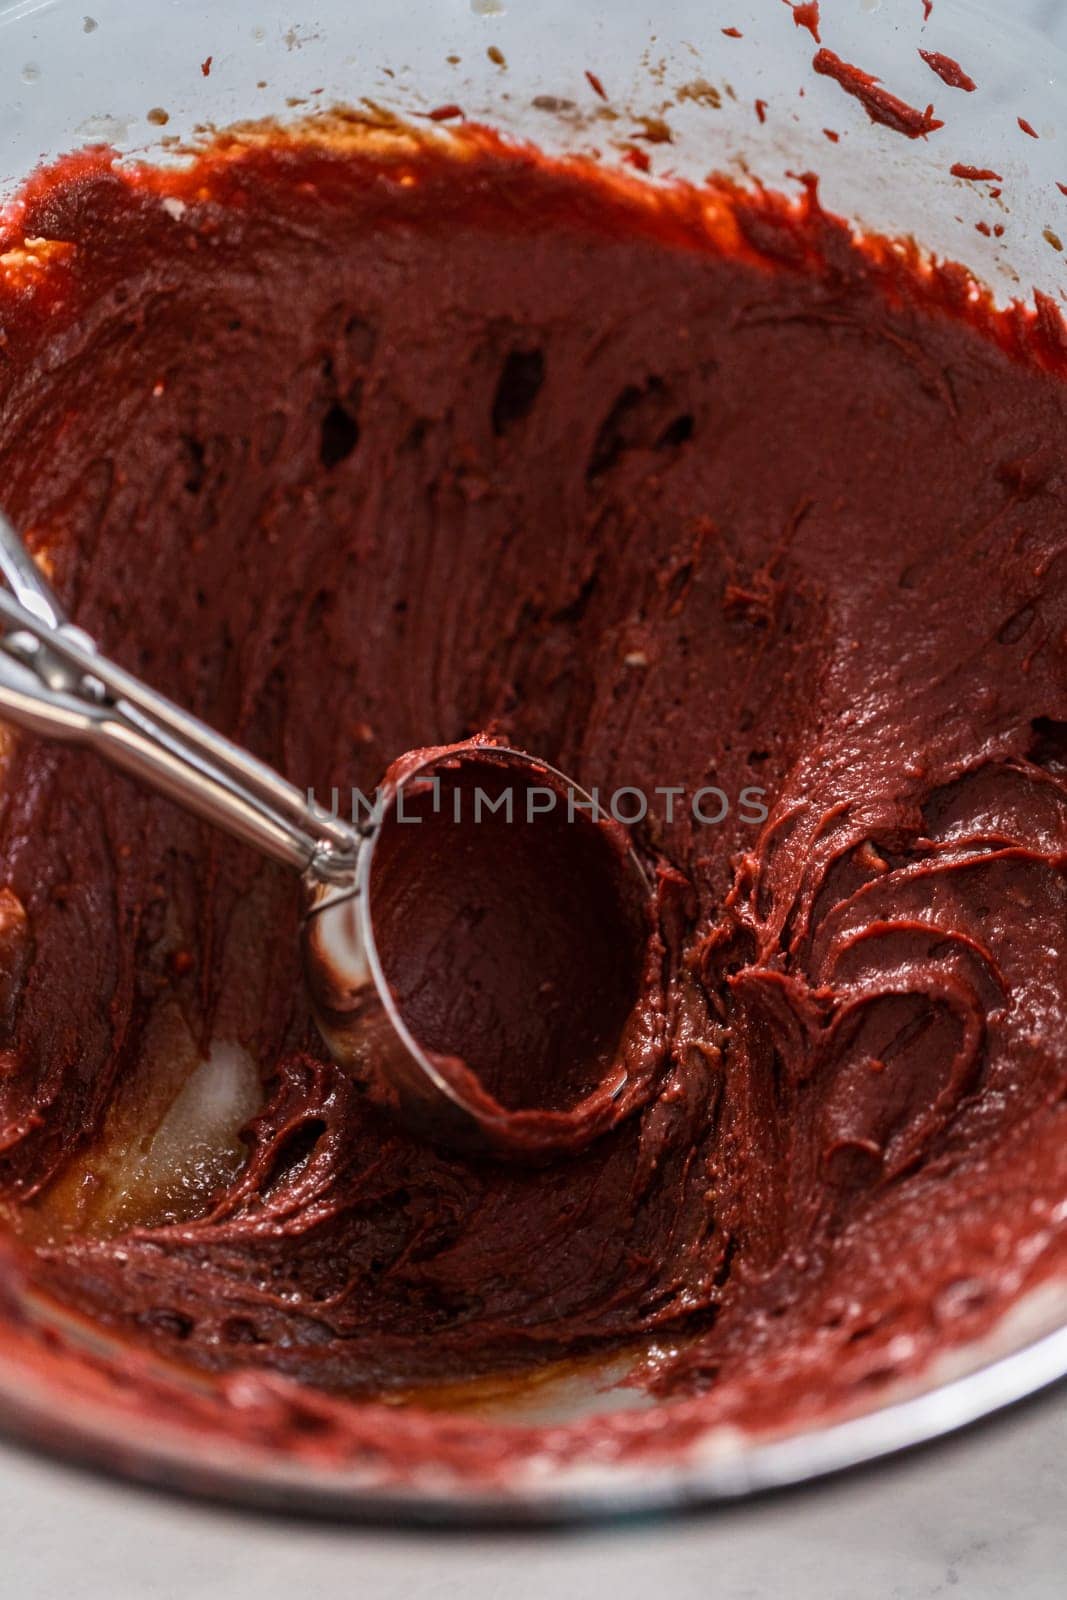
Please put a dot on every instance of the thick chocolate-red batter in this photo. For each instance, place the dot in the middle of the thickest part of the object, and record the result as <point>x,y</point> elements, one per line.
<point>355,444</point>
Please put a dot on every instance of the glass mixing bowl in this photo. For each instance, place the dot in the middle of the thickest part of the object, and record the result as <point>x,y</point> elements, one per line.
<point>131,76</point>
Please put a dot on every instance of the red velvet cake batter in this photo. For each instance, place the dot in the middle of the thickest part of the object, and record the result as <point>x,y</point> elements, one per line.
<point>355,443</point>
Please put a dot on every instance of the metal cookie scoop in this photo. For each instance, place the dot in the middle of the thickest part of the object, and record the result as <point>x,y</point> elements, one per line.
<point>479,950</point>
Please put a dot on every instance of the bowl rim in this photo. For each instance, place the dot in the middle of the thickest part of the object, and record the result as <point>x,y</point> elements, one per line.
<point>723,1465</point>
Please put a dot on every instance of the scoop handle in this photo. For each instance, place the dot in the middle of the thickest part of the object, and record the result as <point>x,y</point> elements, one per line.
<point>56,684</point>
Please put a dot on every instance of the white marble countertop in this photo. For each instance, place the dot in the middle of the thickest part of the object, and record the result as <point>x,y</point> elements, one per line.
<point>979,1516</point>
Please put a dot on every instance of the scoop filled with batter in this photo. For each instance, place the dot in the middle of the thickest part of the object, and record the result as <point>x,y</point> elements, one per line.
<point>515,957</point>
<point>688,491</point>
